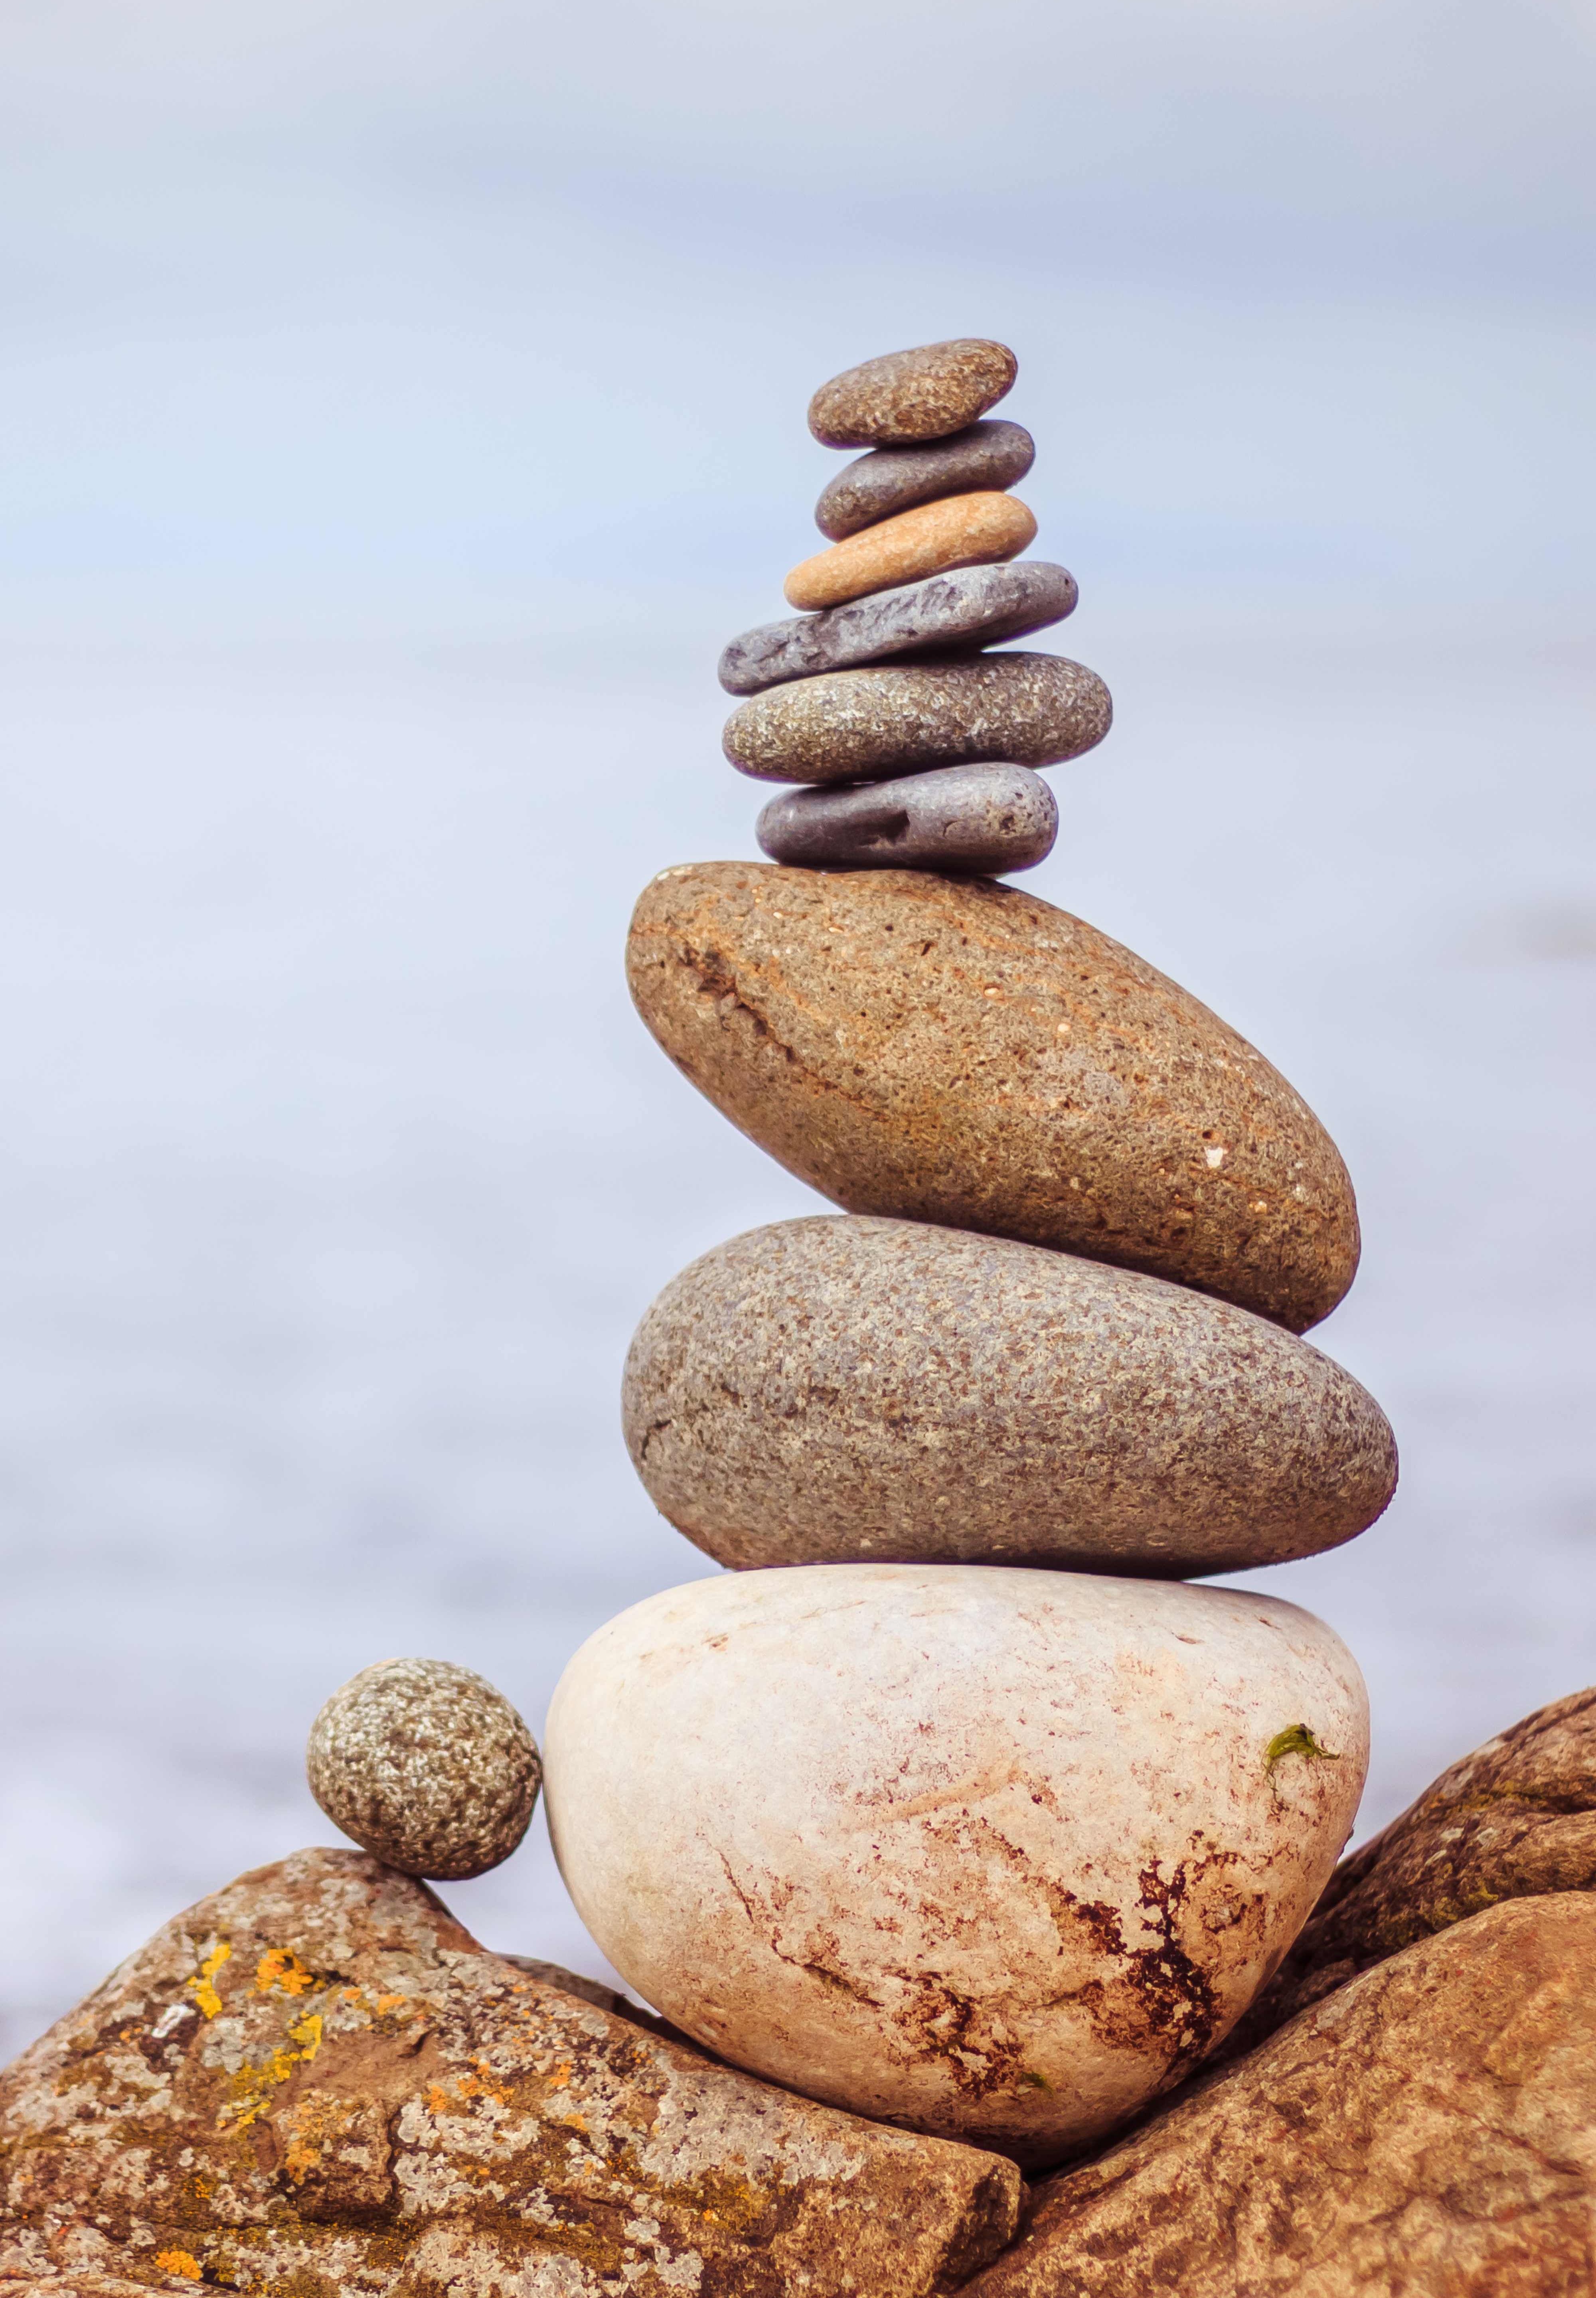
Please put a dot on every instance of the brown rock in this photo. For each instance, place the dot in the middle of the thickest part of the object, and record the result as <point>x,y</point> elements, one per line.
<point>964,530</point>
<point>906,396</point>
<point>1516,1819</point>
<point>318,2082</point>
<point>1425,2133</point>
<point>840,1391</point>
<point>900,718</point>
<point>896,478</point>
<point>953,1050</point>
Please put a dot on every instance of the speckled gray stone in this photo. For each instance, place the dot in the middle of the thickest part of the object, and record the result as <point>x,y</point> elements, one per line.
<point>981,819</point>
<point>967,606</point>
<point>866,725</point>
<point>908,396</point>
<point>840,1389</point>
<point>426,1766</point>
<point>890,479</point>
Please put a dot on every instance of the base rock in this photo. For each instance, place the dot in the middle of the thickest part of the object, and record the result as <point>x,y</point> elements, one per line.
<point>317,2082</point>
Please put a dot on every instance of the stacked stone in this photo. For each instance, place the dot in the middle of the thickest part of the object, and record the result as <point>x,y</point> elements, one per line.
<point>926,760</point>
<point>955,1803</point>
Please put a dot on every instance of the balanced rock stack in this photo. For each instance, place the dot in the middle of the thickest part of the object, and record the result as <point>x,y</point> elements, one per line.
<point>916,746</point>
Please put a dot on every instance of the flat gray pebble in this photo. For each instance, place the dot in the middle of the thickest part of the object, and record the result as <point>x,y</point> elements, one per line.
<point>890,479</point>
<point>980,821</point>
<point>977,605</point>
<point>898,718</point>
<point>426,1766</point>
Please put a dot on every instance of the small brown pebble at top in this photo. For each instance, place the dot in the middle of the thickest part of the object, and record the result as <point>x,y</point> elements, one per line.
<point>890,479</point>
<point>427,1767</point>
<point>908,396</point>
<point>963,531</point>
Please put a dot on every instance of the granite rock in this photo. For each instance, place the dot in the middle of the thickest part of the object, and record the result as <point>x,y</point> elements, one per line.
<point>1427,2131</point>
<point>968,606</point>
<point>963,531</point>
<point>949,1050</point>
<point>316,2081</point>
<point>426,1766</point>
<point>892,479</point>
<point>985,820</point>
<point>841,1389</point>
<point>1515,1820</point>
<point>908,396</point>
<point>900,718</point>
<point>997,1854</point>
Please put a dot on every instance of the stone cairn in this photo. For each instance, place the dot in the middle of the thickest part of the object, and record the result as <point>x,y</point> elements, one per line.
<point>955,1803</point>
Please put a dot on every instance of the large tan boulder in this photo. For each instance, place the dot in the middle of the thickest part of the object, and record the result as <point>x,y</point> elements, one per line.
<point>949,1050</point>
<point>1428,2131</point>
<point>1516,1819</point>
<point>316,2083</point>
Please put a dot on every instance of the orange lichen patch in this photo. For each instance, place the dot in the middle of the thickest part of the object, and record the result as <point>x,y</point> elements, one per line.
<point>201,1984</point>
<point>179,2261</point>
<point>280,1966</point>
<point>251,2086</point>
<point>391,2006</point>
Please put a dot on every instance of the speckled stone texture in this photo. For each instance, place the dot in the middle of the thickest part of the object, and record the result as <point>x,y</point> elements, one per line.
<point>986,820</point>
<point>908,396</point>
<point>964,530</point>
<point>998,1854</point>
<point>317,2082</point>
<point>967,606</point>
<point>1428,2132</point>
<point>838,1389</point>
<point>427,1765</point>
<point>892,479</point>
<point>1515,1820</point>
<point>900,718</point>
<point>953,1050</point>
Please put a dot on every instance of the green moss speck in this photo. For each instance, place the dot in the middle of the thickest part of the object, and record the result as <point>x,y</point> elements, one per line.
<point>1296,1739</point>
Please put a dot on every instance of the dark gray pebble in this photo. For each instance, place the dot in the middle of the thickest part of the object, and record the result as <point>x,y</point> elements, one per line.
<point>980,821</point>
<point>976,605</point>
<point>890,479</point>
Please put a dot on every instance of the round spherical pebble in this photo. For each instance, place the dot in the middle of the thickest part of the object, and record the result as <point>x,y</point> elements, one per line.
<point>426,1766</point>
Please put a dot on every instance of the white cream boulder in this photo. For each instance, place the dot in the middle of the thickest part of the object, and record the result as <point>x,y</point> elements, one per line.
<point>997,1854</point>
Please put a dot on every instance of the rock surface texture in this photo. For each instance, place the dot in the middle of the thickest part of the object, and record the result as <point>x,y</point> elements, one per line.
<point>1429,2131</point>
<point>908,396</point>
<point>999,1854</point>
<point>890,479</point>
<point>965,1053</point>
<point>316,2082</point>
<point>963,531</point>
<point>966,606</point>
<point>840,1389</point>
<point>865,725</point>
<point>1515,1820</point>
<point>425,1764</point>
<point>981,820</point>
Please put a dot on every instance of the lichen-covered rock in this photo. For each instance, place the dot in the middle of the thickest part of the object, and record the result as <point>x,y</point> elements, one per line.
<point>999,1854</point>
<point>426,1766</point>
<point>1515,1820</point>
<point>318,2082</point>
<point>906,396</point>
<point>1428,2131</point>
<point>840,1389</point>
<point>953,1050</point>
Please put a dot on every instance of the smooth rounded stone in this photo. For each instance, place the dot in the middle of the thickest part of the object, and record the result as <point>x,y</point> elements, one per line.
<point>890,479</point>
<point>906,396</point>
<point>898,718</point>
<point>979,820</point>
<point>943,1049</point>
<point>964,530</point>
<point>840,1389</point>
<point>996,1855</point>
<point>967,606</point>
<point>426,1766</point>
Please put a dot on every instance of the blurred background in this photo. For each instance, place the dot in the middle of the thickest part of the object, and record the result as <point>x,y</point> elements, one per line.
<point>400,407</point>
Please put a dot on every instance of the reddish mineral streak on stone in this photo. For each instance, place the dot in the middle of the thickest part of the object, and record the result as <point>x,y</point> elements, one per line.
<point>318,2082</point>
